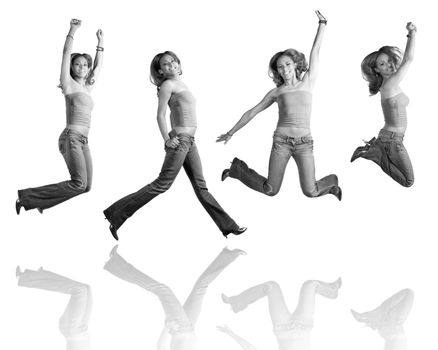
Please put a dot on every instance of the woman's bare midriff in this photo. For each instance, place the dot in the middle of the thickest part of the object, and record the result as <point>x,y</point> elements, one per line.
<point>292,132</point>
<point>191,130</point>
<point>79,128</point>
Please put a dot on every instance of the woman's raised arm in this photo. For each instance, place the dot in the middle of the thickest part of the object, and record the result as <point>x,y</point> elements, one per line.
<point>239,340</point>
<point>408,57</point>
<point>314,53</point>
<point>66,53</point>
<point>98,59</point>
<point>248,116</point>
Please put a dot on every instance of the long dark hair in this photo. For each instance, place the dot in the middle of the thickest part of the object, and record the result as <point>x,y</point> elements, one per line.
<point>156,77</point>
<point>299,59</point>
<point>369,65</point>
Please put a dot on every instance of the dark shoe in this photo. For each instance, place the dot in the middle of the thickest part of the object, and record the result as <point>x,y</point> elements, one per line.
<point>114,232</point>
<point>40,210</point>
<point>225,174</point>
<point>18,206</point>
<point>359,152</point>
<point>236,232</point>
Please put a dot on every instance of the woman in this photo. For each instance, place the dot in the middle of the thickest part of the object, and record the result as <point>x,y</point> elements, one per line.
<point>295,80</point>
<point>384,70</point>
<point>389,317</point>
<point>291,330</point>
<point>73,323</point>
<point>180,319</point>
<point>180,148</point>
<point>78,76</point>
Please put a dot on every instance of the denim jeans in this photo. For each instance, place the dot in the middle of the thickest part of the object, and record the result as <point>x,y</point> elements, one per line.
<point>74,148</point>
<point>185,155</point>
<point>390,154</point>
<point>284,147</point>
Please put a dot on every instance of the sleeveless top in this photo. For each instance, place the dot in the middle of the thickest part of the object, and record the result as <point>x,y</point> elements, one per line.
<point>78,108</point>
<point>394,110</point>
<point>182,109</point>
<point>294,109</point>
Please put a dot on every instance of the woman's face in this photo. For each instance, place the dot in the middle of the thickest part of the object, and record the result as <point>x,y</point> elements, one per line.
<point>80,67</point>
<point>286,67</point>
<point>169,66</point>
<point>385,65</point>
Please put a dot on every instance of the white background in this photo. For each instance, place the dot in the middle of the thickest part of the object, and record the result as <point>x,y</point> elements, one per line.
<point>380,238</point>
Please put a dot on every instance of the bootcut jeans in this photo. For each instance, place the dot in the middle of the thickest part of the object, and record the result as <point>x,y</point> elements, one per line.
<point>74,148</point>
<point>284,147</point>
<point>390,154</point>
<point>185,155</point>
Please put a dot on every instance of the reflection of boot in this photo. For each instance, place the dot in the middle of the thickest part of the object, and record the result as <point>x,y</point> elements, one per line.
<point>362,150</point>
<point>329,290</point>
<point>389,317</point>
<point>241,301</point>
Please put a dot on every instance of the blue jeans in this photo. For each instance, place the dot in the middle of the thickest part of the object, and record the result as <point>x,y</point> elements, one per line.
<point>390,154</point>
<point>74,148</point>
<point>284,147</point>
<point>187,156</point>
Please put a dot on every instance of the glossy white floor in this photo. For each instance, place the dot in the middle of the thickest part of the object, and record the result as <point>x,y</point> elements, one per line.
<point>379,239</point>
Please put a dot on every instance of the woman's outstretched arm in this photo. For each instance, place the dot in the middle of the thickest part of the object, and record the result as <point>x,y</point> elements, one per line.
<point>408,57</point>
<point>98,59</point>
<point>314,53</point>
<point>242,342</point>
<point>163,99</point>
<point>248,116</point>
<point>66,53</point>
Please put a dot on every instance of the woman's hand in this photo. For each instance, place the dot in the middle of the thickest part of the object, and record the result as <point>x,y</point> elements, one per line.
<point>411,27</point>
<point>75,23</point>
<point>224,138</point>
<point>99,34</point>
<point>321,18</point>
<point>172,142</point>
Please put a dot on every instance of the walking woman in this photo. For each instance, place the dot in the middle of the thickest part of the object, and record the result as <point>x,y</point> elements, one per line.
<point>78,76</point>
<point>388,319</point>
<point>295,80</point>
<point>384,70</point>
<point>180,148</point>
<point>292,330</point>
<point>73,323</point>
<point>180,320</point>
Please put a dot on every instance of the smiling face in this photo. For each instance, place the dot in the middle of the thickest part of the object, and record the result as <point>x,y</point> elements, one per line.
<point>286,67</point>
<point>79,67</point>
<point>169,66</point>
<point>385,66</point>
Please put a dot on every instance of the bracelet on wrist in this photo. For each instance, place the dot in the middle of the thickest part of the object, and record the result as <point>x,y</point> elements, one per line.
<point>99,48</point>
<point>229,134</point>
<point>322,21</point>
<point>70,36</point>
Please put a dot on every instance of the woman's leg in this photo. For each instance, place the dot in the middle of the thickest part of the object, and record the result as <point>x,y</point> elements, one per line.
<point>73,323</point>
<point>389,153</point>
<point>193,304</point>
<point>124,208</point>
<point>176,318</point>
<point>303,155</point>
<point>277,306</point>
<point>73,148</point>
<point>389,317</point>
<point>305,309</point>
<point>280,155</point>
<point>193,169</point>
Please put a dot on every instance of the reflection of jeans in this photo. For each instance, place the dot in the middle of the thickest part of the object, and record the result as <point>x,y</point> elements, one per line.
<point>284,147</point>
<point>74,148</point>
<point>180,319</point>
<point>389,152</point>
<point>73,323</point>
<point>185,155</point>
